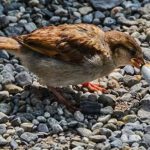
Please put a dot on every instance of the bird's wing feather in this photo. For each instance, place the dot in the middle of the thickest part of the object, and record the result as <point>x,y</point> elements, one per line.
<point>70,43</point>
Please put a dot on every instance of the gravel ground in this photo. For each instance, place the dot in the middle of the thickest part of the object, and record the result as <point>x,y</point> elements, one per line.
<point>30,118</point>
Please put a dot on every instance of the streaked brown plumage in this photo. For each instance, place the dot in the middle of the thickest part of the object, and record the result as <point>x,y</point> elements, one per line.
<point>73,54</point>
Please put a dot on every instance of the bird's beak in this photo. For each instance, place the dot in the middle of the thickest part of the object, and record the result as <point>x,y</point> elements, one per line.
<point>137,62</point>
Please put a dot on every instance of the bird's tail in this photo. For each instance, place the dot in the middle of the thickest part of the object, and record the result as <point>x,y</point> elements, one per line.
<point>9,43</point>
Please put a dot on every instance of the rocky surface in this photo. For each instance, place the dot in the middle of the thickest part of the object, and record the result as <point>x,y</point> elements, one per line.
<point>30,118</point>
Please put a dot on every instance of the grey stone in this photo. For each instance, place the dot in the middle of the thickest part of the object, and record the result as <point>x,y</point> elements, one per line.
<point>116,75</point>
<point>85,10</point>
<point>146,53</point>
<point>7,77</point>
<point>61,12</point>
<point>13,144</point>
<point>134,138</point>
<point>107,110</point>
<point>116,143</point>
<point>79,116</point>
<point>84,132</point>
<point>104,119</point>
<point>78,148</point>
<point>23,78</point>
<point>2,129</point>
<point>78,143</point>
<point>3,141</point>
<point>33,2</point>
<point>43,128</point>
<point>55,19</point>
<point>129,69</point>
<point>146,139</point>
<point>3,22</point>
<point>4,54</point>
<point>5,108</point>
<point>28,137</point>
<point>41,119</point>
<point>56,128</point>
<point>99,15</point>
<point>97,125</point>
<point>108,21</point>
<point>12,19</point>
<point>105,131</point>
<point>105,4</point>
<point>13,30</point>
<point>88,18</point>
<point>130,80</point>
<point>19,130</point>
<point>30,27</point>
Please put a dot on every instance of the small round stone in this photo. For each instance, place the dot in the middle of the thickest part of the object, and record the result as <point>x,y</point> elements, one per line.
<point>79,116</point>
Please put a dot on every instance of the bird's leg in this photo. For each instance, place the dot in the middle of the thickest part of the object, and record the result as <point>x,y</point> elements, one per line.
<point>60,98</point>
<point>93,87</point>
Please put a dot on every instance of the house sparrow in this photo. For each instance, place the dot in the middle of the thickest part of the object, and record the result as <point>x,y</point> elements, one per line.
<point>73,54</point>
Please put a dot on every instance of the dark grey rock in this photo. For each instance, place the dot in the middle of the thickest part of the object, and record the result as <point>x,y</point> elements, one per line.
<point>28,137</point>
<point>5,108</point>
<point>4,54</point>
<point>19,130</point>
<point>99,15</point>
<point>3,22</point>
<point>13,30</point>
<point>1,9</point>
<point>130,81</point>
<point>88,18</point>
<point>12,19</point>
<point>56,128</point>
<point>30,27</point>
<point>3,141</point>
<point>23,78</point>
<point>108,21</point>
<point>106,100</point>
<point>105,4</point>
<point>43,128</point>
<point>2,129</point>
<point>16,122</point>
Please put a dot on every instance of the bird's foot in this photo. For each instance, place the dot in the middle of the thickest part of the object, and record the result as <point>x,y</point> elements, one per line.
<point>94,87</point>
<point>61,99</point>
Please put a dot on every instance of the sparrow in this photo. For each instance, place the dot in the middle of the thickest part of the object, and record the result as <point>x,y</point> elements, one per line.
<point>71,54</point>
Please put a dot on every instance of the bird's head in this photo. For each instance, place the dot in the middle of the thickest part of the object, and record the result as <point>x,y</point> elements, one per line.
<point>124,48</point>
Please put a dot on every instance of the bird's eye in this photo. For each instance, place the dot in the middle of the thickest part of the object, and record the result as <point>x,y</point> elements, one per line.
<point>133,52</point>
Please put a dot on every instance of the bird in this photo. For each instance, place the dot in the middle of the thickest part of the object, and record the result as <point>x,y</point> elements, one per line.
<point>71,54</point>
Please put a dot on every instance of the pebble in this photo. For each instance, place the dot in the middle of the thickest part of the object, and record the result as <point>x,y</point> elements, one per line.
<point>109,21</point>
<point>85,10</point>
<point>129,118</point>
<point>43,128</point>
<point>129,69</point>
<point>30,27</point>
<point>5,108</point>
<point>146,139</point>
<point>13,144</point>
<point>79,116</point>
<point>3,141</point>
<point>104,4</point>
<point>84,132</point>
<point>97,126</point>
<point>107,110</point>
<point>97,138</point>
<point>116,143</point>
<point>27,126</point>
<point>2,129</point>
<point>4,95</point>
<point>28,137</point>
<point>13,89</point>
<point>104,119</point>
<point>88,18</point>
<point>23,78</point>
